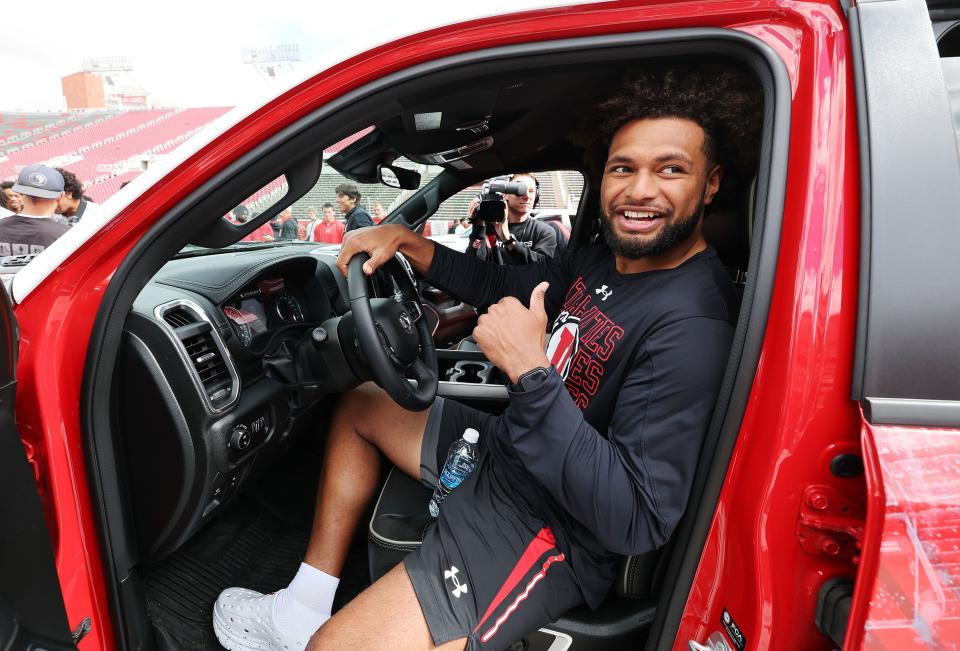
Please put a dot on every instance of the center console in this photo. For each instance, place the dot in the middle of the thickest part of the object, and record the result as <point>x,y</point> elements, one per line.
<point>467,375</point>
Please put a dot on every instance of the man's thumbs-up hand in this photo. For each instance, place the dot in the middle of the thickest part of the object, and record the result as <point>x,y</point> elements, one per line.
<point>514,337</point>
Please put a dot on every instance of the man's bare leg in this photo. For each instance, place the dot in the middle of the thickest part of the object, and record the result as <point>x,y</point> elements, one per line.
<point>385,616</point>
<point>367,422</point>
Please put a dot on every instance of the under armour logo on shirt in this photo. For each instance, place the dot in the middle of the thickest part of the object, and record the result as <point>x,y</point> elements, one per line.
<point>451,577</point>
<point>603,290</point>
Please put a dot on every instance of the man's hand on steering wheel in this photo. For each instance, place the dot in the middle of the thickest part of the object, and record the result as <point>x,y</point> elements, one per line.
<point>393,336</point>
<point>381,243</point>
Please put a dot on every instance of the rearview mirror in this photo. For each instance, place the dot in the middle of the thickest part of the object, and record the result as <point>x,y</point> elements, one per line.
<point>398,177</point>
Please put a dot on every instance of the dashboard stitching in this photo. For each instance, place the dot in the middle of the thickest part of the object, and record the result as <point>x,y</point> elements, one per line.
<point>246,272</point>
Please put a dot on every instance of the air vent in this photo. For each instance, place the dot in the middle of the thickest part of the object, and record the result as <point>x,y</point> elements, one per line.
<point>179,317</point>
<point>202,349</point>
<point>208,362</point>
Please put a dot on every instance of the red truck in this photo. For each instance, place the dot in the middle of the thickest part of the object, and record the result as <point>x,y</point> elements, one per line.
<point>150,454</point>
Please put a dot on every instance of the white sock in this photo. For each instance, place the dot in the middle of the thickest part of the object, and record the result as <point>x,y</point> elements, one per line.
<point>295,618</point>
<point>315,588</point>
<point>306,603</point>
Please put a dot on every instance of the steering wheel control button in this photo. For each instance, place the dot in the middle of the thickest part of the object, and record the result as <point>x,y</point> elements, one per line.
<point>240,438</point>
<point>319,336</point>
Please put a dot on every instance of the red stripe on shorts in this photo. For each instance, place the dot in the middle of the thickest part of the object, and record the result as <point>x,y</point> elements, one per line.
<point>540,545</point>
<point>520,597</point>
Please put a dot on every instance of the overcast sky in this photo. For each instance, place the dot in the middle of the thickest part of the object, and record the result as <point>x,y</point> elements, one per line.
<point>187,53</point>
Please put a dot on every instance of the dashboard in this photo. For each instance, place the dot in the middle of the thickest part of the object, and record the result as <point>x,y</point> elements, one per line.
<point>203,399</point>
<point>262,304</point>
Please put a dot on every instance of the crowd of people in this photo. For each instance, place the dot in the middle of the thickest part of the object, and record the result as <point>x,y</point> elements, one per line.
<point>328,228</point>
<point>40,206</point>
<point>44,202</point>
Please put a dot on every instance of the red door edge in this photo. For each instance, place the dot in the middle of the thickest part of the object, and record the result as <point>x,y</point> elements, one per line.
<point>906,592</point>
<point>872,537</point>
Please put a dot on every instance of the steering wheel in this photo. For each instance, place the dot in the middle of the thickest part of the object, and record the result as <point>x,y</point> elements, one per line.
<point>393,334</point>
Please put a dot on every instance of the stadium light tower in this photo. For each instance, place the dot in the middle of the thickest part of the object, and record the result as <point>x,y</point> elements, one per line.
<point>273,60</point>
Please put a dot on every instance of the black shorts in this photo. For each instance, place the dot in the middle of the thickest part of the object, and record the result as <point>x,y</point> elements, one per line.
<point>490,569</point>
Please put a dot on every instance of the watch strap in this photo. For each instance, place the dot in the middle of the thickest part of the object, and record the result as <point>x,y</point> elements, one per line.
<point>531,379</point>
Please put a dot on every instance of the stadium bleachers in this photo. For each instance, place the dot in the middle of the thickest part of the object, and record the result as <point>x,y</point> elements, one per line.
<point>98,162</point>
<point>100,147</point>
<point>74,122</point>
<point>81,141</point>
<point>106,148</point>
<point>21,126</point>
<point>100,192</point>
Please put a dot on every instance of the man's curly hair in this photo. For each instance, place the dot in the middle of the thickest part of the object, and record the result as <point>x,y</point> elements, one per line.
<point>724,101</point>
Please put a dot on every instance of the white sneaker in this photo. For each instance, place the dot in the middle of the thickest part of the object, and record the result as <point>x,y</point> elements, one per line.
<point>243,620</point>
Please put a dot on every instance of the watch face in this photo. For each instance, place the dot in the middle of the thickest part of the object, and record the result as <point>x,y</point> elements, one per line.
<point>532,378</point>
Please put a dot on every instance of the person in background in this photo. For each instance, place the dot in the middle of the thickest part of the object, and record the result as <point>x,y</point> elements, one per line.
<point>74,205</point>
<point>463,227</point>
<point>348,199</point>
<point>328,229</point>
<point>14,200</point>
<point>4,210</point>
<point>517,239</point>
<point>313,219</point>
<point>33,229</point>
<point>379,214</point>
<point>288,225</point>
<point>264,232</point>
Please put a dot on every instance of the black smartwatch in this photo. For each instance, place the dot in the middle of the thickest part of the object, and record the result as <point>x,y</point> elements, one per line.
<point>510,241</point>
<point>531,379</point>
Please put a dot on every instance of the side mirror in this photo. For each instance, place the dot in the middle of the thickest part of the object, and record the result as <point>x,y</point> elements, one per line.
<point>398,177</point>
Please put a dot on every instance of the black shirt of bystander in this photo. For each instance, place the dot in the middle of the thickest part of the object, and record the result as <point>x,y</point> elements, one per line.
<point>21,234</point>
<point>357,218</point>
<point>535,241</point>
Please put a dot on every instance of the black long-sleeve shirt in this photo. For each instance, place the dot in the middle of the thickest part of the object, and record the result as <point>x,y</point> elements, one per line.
<point>609,461</point>
<point>536,242</point>
<point>358,217</point>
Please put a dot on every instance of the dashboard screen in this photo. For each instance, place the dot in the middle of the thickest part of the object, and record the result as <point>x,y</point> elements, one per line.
<point>255,307</point>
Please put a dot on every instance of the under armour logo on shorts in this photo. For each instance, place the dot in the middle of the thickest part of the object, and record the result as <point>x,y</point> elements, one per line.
<point>451,577</point>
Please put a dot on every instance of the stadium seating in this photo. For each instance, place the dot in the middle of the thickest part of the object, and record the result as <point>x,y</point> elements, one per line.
<point>15,140</point>
<point>106,148</point>
<point>102,148</point>
<point>21,126</point>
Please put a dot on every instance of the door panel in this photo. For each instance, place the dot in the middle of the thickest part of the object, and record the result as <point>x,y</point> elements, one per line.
<point>31,605</point>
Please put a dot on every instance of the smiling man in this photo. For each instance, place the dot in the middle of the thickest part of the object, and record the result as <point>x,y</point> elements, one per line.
<point>348,200</point>
<point>595,455</point>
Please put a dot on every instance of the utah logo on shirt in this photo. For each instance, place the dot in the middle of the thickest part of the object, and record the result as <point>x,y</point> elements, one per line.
<point>564,343</point>
<point>582,341</point>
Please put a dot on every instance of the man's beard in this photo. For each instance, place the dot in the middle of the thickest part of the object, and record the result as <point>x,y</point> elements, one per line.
<point>672,234</point>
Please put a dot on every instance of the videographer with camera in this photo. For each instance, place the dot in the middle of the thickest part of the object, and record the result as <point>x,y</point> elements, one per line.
<point>503,231</point>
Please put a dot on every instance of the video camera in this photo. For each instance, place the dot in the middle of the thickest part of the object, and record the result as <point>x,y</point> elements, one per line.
<point>492,207</point>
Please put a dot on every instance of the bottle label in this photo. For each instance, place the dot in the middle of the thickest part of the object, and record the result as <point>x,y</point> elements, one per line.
<point>454,472</point>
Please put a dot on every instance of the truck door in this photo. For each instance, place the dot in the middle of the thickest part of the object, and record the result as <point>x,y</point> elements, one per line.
<point>32,615</point>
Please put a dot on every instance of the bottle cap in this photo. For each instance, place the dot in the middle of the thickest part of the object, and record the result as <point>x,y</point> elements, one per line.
<point>471,435</point>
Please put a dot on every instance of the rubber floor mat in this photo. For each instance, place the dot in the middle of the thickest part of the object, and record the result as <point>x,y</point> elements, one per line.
<point>248,547</point>
<point>245,547</point>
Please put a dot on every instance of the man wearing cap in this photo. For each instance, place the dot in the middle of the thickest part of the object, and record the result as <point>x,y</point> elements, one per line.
<point>33,229</point>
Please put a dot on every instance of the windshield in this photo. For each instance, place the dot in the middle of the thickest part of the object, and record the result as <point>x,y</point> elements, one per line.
<point>333,206</point>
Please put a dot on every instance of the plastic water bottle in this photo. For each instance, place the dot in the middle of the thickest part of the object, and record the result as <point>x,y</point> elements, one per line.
<point>461,460</point>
